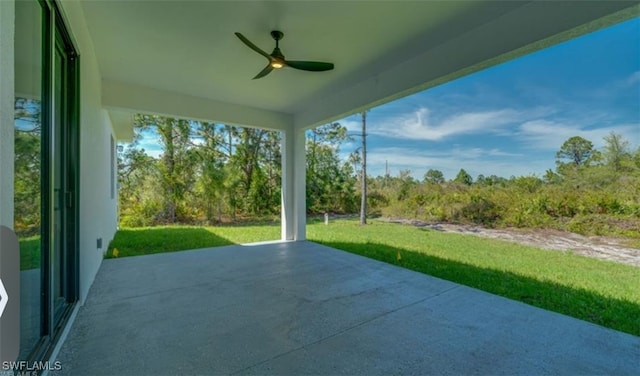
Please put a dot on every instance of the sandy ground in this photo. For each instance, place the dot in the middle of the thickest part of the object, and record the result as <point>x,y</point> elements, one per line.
<point>601,247</point>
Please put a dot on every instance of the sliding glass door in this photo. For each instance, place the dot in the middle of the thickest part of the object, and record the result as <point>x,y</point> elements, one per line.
<point>46,139</point>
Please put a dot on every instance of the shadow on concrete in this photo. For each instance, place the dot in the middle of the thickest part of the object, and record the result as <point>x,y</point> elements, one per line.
<point>579,303</point>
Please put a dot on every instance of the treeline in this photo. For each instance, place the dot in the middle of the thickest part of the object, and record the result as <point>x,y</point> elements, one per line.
<point>590,192</point>
<point>206,173</point>
<point>212,173</point>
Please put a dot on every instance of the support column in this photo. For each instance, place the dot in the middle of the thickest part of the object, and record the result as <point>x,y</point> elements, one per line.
<point>7,30</point>
<point>287,190</point>
<point>300,184</point>
<point>293,196</point>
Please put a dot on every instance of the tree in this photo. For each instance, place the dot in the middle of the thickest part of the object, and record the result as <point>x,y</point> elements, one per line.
<point>577,150</point>
<point>211,169</point>
<point>176,164</point>
<point>253,159</point>
<point>330,185</point>
<point>434,176</point>
<point>138,201</point>
<point>551,177</point>
<point>616,151</point>
<point>463,177</point>
<point>354,159</point>
<point>405,184</point>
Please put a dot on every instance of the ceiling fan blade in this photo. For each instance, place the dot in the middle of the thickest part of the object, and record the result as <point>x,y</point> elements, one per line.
<point>314,66</point>
<point>252,46</point>
<point>264,72</point>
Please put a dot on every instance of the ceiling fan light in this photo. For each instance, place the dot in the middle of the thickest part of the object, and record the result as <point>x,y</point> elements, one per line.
<point>277,64</point>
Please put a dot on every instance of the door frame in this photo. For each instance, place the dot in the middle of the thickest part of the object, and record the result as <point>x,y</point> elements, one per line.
<point>54,27</point>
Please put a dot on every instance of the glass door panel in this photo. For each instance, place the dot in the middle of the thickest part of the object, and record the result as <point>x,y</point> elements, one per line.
<point>45,174</point>
<point>28,167</point>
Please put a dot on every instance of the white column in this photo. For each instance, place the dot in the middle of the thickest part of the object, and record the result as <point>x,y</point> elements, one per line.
<point>7,29</point>
<point>287,190</point>
<point>293,199</point>
<point>299,184</point>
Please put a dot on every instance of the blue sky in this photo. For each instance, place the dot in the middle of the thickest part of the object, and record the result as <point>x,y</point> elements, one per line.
<point>512,118</point>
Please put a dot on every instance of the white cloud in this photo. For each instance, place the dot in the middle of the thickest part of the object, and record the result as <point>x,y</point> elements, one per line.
<point>632,79</point>
<point>421,125</point>
<point>500,153</point>
<point>549,134</point>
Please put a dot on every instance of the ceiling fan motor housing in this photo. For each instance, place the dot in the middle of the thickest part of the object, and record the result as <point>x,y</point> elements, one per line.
<point>277,35</point>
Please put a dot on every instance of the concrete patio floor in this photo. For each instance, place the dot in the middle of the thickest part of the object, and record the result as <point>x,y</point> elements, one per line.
<point>302,308</point>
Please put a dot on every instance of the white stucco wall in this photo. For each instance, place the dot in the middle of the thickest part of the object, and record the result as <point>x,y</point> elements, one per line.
<point>97,208</point>
<point>7,19</point>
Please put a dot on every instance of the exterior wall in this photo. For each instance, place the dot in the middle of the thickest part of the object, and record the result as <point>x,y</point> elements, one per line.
<point>97,208</point>
<point>7,18</point>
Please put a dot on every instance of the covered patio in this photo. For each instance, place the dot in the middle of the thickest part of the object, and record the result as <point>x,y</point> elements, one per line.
<point>285,308</point>
<point>295,308</point>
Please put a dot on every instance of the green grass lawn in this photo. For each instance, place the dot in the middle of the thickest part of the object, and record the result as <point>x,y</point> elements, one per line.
<point>602,292</point>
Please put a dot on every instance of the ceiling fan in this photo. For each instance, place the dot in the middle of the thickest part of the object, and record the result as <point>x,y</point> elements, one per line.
<point>277,60</point>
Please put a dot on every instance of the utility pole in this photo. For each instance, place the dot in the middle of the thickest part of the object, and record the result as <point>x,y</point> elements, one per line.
<point>363,203</point>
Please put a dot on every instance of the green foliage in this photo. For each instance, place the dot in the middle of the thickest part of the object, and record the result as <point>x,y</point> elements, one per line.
<point>205,173</point>
<point>592,199</point>
<point>481,211</point>
<point>331,184</point>
<point>27,167</point>
<point>27,183</point>
<point>434,176</point>
<point>463,177</point>
<point>577,150</point>
<point>212,173</point>
<point>616,153</point>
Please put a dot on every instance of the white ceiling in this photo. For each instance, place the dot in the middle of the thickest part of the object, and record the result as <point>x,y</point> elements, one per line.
<point>187,50</point>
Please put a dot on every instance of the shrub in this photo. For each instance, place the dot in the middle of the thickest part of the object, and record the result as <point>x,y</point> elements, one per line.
<point>481,211</point>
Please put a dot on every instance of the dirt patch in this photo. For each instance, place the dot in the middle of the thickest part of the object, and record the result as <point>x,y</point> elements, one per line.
<point>601,247</point>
